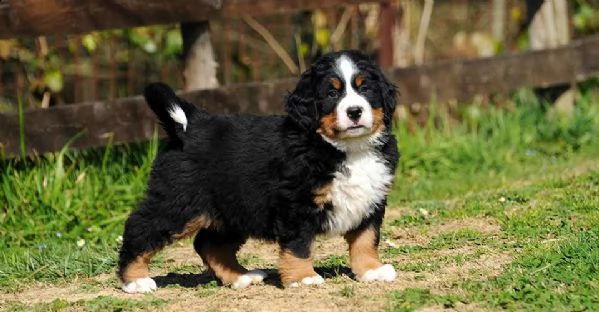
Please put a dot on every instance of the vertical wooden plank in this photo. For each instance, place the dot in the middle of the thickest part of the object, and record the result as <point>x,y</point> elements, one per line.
<point>200,64</point>
<point>402,45</point>
<point>499,17</point>
<point>386,33</point>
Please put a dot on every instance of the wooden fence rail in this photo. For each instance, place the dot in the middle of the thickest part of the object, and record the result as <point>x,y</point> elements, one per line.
<point>60,17</point>
<point>127,120</point>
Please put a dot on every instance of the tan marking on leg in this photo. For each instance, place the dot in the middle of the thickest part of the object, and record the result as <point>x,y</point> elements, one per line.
<point>138,268</point>
<point>294,269</point>
<point>327,125</point>
<point>322,196</point>
<point>194,225</point>
<point>222,261</point>
<point>363,251</point>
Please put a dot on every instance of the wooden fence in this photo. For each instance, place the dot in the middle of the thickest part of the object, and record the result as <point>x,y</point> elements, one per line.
<point>127,120</point>
<point>60,17</point>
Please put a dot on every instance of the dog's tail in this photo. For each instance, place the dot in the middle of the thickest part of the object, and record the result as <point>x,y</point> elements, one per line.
<point>173,112</point>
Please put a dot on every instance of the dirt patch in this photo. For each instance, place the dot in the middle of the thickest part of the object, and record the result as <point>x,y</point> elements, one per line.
<point>182,281</point>
<point>487,265</point>
<point>486,226</point>
<point>339,293</point>
<point>422,235</point>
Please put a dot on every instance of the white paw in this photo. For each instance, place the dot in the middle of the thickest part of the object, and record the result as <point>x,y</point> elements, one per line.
<point>251,277</point>
<point>310,280</point>
<point>140,285</point>
<point>384,273</point>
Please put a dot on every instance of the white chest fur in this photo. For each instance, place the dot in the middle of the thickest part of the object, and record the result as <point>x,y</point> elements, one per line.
<point>362,181</point>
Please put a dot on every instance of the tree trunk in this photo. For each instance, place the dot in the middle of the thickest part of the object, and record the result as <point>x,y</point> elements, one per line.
<point>550,29</point>
<point>200,64</point>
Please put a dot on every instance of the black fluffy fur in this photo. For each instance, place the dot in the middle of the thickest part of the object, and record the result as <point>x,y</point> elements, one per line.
<point>253,175</point>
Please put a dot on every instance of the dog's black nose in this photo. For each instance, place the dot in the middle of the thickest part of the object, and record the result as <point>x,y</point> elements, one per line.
<point>354,113</point>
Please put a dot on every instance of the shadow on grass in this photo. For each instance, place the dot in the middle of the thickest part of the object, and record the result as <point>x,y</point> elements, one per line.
<point>193,280</point>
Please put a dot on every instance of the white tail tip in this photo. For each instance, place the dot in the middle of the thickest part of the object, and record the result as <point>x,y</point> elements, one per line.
<point>178,115</point>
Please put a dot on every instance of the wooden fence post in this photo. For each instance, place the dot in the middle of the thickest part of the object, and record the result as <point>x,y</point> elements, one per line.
<point>200,64</point>
<point>386,33</point>
<point>402,46</point>
<point>550,29</point>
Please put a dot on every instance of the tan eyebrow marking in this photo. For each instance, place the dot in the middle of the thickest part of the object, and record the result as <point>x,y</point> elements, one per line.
<point>359,80</point>
<point>336,83</point>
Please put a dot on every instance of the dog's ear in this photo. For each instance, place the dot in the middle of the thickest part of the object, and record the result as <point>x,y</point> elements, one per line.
<point>389,94</point>
<point>300,105</point>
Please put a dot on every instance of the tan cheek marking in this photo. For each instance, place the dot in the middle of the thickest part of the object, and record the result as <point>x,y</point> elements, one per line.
<point>363,251</point>
<point>327,125</point>
<point>378,123</point>
<point>138,268</point>
<point>294,269</point>
<point>336,83</point>
<point>322,196</point>
<point>193,226</point>
<point>359,80</point>
<point>222,261</point>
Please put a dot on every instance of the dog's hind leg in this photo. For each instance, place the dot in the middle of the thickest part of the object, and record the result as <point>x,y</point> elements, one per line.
<point>219,252</point>
<point>145,234</point>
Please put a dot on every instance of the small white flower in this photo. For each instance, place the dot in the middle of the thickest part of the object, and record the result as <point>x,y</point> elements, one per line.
<point>58,234</point>
<point>89,229</point>
<point>119,239</point>
<point>424,212</point>
<point>80,242</point>
<point>502,199</point>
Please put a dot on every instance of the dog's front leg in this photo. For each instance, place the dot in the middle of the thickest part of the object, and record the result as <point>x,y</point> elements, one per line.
<point>295,262</point>
<point>363,254</point>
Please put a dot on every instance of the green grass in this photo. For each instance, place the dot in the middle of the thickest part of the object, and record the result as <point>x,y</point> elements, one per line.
<point>552,229</point>
<point>54,262</point>
<point>411,299</point>
<point>444,159</point>
<point>503,164</point>
<point>101,303</point>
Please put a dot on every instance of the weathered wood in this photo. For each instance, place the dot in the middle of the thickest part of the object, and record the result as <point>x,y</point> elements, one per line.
<point>198,55</point>
<point>462,79</point>
<point>386,33</point>
<point>61,17</point>
<point>129,120</point>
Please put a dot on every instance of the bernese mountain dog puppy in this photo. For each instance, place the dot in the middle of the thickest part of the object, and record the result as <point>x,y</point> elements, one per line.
<point>325,167</point>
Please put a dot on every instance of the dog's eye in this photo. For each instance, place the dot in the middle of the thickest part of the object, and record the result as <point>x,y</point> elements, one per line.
<point>363,89</point>
<point>333,93</point>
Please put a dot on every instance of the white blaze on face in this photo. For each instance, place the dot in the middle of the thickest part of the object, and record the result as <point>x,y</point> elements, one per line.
<point>347,71</point>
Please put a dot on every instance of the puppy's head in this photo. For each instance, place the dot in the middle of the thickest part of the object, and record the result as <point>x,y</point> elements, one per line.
<point>343,97</point>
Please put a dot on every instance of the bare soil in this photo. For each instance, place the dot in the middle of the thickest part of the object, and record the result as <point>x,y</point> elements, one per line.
<point>182,282</point>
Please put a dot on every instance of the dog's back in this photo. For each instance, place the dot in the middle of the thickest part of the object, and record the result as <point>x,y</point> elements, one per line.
<point>223,165</point>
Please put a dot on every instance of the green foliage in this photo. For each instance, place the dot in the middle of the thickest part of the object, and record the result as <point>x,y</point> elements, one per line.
<point>586,17</point>
<point>491,145</point>
<point>47,65</point>
<point>72,194</point>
